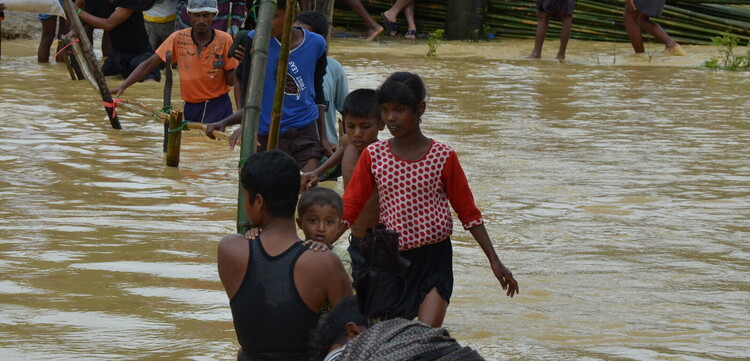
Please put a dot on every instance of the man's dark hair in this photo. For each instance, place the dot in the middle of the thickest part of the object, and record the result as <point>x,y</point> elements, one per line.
<point>320,196</point>
<point>274,175</point>
<point>362,103</point>
<point>317,21</point>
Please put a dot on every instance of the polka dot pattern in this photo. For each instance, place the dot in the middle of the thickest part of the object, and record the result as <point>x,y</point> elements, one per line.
<point>412,194</point>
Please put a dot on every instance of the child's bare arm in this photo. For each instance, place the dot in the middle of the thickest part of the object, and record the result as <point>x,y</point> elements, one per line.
<point>310,179</point>
<point>503,274</point>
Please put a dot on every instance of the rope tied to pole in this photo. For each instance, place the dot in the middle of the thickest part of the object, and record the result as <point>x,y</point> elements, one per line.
<point>66,46</point>
<point>113,105</point>
<point>164,110</point>
<point>182,127</point>
<point>241,163</point>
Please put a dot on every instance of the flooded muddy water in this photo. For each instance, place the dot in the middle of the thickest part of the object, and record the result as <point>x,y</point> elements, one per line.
<point>619,195</point>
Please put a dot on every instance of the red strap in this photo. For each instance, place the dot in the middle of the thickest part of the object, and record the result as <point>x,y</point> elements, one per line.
<point>113,105</point>
<point>64,47</point>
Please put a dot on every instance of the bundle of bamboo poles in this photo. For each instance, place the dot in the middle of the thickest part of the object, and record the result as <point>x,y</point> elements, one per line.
<point>686,21</point>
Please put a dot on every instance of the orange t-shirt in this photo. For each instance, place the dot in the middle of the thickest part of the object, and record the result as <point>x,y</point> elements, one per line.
<point>201,74</point>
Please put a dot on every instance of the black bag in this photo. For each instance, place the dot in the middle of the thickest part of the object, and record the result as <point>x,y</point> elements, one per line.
<point>147,4</point>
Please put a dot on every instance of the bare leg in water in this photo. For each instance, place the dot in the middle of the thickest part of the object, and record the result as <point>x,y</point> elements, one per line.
<point>541,30</point>
<point>373,28</point>
<point>635,21</point>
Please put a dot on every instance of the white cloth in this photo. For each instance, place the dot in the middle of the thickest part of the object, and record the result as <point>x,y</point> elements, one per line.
<point>51,7</point>
<point>334,355</point>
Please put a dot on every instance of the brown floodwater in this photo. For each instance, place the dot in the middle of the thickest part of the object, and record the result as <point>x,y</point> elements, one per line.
<point>615,187</point>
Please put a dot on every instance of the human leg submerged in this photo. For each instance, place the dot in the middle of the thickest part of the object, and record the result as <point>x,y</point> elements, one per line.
<point>541,31</point>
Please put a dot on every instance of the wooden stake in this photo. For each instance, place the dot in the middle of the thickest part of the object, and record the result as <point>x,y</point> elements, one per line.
<point>175,139</point>
<point>167,93</point>
<point>75,24</point>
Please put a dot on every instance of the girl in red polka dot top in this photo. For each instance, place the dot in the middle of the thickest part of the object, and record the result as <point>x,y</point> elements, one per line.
<point>418,179</point>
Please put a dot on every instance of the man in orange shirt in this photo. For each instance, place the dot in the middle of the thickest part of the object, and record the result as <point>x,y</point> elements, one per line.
<point>206,73</point>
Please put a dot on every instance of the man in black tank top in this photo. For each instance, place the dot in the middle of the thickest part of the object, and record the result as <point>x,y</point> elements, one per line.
<point>276,286</point>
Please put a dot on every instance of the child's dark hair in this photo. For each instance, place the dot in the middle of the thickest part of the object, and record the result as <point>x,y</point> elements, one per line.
<point>317,21</point>
<point>362,103</point>
<point>320,196</point>
<point>402,88</point>
<point>334,329</point>
<point>274,175</point>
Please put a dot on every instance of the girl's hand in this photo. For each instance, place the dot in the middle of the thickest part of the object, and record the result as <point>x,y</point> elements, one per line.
<point>253,233</point>
<point>316,246</point>
<point>505,276</point>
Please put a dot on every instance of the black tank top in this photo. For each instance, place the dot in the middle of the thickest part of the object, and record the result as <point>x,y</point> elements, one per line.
<point>271,319</point>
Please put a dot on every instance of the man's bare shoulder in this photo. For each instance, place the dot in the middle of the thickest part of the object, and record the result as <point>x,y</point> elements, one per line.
<point>233,246</point>
<point>315,263</point>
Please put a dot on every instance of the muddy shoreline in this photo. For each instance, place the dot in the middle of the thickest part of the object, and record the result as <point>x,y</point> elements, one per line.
<point>21,25</point>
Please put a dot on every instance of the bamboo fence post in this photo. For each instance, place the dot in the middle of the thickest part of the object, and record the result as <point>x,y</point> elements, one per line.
<point>2,18</point>
<point>278,99</point>
<point>254,82</point>
<point>83,64</point>
<point>75,24</point>
<point>167,94</point>
<point>175,138</point>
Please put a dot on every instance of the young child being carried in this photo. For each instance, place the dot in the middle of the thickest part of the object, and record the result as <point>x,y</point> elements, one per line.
<point>362,123</point>
<point>418,180</point>
<point>319,214</point>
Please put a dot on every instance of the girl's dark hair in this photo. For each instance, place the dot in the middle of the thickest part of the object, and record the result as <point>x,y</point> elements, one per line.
<point>334,329</point>
<point>317,21</point>
<point>402,88</point>
<point>274,175</point>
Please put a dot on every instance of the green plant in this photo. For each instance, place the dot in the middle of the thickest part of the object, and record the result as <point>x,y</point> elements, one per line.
<point>433,41</point>
<point>727,60</point>
<point>485,33</point>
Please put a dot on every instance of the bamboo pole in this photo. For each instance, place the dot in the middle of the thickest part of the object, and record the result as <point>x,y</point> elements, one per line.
<point>83,64</point>
<point>200,126</point>
<point>75,24</point>
<point>175,139</point>
<point>254,81</point>
<point>68,58</point>
<point>281,73</point>
<point>167,94</point>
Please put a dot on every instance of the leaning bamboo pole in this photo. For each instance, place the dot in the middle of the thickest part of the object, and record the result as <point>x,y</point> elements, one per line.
<point>254,81</point>
<point>167,94</point>
<point>75,24</point>
<point>281,74</point>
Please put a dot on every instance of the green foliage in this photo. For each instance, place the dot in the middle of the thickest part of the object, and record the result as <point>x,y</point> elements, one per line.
<point>485,33</point>
<point>433,41</point>
<point>727,60</point>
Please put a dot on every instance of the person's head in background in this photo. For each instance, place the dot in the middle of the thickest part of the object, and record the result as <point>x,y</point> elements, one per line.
<point>312,21</point>
<point>343,324</point>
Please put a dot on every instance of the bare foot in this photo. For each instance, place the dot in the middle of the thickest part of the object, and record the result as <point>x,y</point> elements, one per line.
<point>372,33</point>
<point>534,56</point>
<point>560,58</point>
<point>676,50</point>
